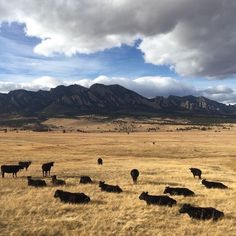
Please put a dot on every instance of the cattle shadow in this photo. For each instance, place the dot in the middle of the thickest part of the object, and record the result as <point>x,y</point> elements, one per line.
<point>70,176</point>
<point>98,202</point>
<point>229,216</point>
<point>153,182</point>
<point>129,192</point>
<point>149,173</point>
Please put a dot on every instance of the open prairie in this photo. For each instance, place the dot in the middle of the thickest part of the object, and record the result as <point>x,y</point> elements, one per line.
<point>34,211</point>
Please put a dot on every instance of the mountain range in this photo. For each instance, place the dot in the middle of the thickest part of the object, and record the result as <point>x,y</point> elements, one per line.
<point>103,99</point>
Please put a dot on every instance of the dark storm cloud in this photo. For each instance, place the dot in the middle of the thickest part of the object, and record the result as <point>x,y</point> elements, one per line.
<point>193,37</point>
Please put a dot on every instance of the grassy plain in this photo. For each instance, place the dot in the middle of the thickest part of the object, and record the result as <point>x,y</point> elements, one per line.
<point>28,211</point>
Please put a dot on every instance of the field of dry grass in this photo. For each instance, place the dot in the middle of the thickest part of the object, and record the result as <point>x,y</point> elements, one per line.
<point>28,211</point>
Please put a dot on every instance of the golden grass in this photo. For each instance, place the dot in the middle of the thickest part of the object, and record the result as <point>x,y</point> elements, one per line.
<point>28,211</point>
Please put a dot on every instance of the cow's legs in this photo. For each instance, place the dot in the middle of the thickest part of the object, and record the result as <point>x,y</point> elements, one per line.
<point>3,174</point>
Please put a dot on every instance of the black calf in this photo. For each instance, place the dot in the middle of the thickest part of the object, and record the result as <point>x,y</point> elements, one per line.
<point>36,182</point>
<point>57,182</point>
<point>109,188</point>
<point>157,200</point>
<point>178,191</point>
<point>201,213</point>
<point>85,180</point>
<point>73,198</point>
<point>209,184</point>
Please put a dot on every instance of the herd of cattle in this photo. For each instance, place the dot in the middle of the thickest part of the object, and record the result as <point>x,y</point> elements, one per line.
<point>202,213</point>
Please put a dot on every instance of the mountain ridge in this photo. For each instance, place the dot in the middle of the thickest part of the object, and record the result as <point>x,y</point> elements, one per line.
<point>99,99</point>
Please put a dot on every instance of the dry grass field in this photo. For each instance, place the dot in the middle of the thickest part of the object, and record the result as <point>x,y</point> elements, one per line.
<point>29,211</point>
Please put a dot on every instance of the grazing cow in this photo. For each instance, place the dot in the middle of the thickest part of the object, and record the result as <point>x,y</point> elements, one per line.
<point>73,198</point>
<point>196,172</point>
<point>57,182</point>
<point>157,200</point>
<point>36,182</point>
<point>85,180</point>
<point>178,191</point>
<point>100,161</point>
<point>24,164</point>
<point>201,213</point>
<point>109,188</point>
<point>46,168</point>
<point>209,184</point>
<point>134,174</point>
<point>10,169</point>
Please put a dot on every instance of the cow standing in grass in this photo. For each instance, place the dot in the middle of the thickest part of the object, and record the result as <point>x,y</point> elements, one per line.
<point>134,174</point>
<point>11,169</point>
<point>196,172</point>
<point>100,161</point>
<point>24,164</point>
<point>46,168</point>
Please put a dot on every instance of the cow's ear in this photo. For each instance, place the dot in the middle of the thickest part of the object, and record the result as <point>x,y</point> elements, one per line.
<point>146,192</point>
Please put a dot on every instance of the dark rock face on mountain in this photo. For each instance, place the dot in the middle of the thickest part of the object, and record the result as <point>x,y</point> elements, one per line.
<point>99,98</point>
<point>192,104</point>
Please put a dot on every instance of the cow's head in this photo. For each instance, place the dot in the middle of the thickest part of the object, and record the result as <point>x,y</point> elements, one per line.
<point>58,193</point>
<point>166,189</point>
<point>184,208</point>
<point>143,195</point>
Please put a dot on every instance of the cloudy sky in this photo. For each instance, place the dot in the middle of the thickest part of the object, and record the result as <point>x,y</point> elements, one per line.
<point>163,47</point>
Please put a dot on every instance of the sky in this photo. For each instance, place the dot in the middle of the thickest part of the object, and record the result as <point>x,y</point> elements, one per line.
<point>156,48</point>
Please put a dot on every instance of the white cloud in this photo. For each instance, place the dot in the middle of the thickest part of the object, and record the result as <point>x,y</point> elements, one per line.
<point>220,93</point>
<point>44,83</point>
<point>194,37</point>
<point>149,86</point>
<point>146,86</point>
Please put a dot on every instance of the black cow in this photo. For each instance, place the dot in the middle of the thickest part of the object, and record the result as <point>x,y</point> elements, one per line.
<point>73,198</point>
<point>57,182</point>
<point>109,188</point>
<point>134,174</point>
<point>85,180</point>
<point>157,200</point>
<point>100,161</point>
<point>201,213</point>
<point>209,184</point>
<point>178,191</point>
<point>46,168</point>
<point>196,172</point>
<point>10,169</point>
<point>36,182</point>
<point>24,164</point>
